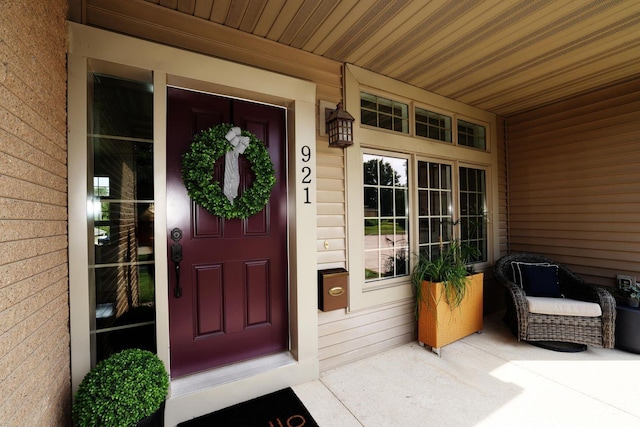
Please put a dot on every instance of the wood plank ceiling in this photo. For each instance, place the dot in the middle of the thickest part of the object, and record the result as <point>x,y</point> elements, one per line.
<point>501,56</point>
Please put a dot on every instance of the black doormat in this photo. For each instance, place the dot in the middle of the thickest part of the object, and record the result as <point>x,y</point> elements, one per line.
<point>279,409</point>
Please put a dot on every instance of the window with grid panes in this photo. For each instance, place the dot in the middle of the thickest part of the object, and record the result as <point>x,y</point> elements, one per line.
<point>384,113</point>
<point>121,250</point>
<point>433,125</point>
<point>471,135</point>
<point>435,209</point>
<point>386,217</point>
<point>473,208</point>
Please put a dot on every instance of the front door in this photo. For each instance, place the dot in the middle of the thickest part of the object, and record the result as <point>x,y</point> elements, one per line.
<point>232,276</point>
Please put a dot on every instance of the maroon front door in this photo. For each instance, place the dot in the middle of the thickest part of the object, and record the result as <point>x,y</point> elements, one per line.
<point>232,277</point>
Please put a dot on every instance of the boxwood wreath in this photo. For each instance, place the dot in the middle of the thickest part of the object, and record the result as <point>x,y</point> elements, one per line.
<point>197,171</point>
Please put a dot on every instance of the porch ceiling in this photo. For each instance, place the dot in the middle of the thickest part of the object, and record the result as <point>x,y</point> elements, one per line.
<point>501,56</point>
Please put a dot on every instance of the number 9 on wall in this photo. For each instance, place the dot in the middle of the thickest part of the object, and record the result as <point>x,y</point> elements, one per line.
<point>306,171</point>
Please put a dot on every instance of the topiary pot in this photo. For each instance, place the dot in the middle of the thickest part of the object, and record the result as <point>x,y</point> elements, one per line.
<point>122,391</point>
<point>154,420</point>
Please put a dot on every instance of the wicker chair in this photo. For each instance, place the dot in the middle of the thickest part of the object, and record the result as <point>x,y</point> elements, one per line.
<point>533,327</point>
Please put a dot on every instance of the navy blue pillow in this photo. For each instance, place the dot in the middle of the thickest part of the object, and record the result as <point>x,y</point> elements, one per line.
<point>517,274</point>
<point>540,280</point>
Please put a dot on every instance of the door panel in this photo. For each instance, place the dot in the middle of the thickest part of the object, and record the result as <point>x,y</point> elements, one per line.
<point>257,292</point>
<point>234,272</point>
<point>208,282</point>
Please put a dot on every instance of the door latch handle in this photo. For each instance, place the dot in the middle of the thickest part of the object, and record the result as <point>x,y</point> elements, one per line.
<point>176,257</point>
<point>177,291</point>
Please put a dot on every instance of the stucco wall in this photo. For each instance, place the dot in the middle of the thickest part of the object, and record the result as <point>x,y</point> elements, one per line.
<point>34,314</point>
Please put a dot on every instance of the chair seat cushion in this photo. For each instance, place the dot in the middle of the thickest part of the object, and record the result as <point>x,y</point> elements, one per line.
<point>563,307</point>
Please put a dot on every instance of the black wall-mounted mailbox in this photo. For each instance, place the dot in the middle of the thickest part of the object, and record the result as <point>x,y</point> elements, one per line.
<point>333,287</point>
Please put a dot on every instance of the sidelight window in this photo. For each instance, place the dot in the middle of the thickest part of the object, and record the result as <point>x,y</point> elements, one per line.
<point>121,255</point>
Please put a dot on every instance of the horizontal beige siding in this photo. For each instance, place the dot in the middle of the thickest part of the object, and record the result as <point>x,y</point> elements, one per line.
<point>345,337</point>
<point>332,221</point>
<point>34,307</point>
<point>574,182</point>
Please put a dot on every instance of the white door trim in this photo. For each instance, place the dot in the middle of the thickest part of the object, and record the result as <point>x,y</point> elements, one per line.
<point>89,46</point>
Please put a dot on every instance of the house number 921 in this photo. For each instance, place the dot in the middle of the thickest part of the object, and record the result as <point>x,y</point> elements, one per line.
<point>306,171</point>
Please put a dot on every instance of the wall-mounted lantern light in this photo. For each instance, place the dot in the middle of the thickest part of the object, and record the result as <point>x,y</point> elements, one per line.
<point>340,127</point>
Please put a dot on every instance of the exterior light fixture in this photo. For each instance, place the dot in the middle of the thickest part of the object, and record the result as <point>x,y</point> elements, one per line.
<point>340,127</point>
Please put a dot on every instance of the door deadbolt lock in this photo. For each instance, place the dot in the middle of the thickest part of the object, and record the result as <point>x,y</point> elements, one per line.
<point>176,234</point>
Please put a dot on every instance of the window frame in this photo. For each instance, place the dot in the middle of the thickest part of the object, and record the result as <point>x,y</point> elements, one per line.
<point>395,280</point>
<point>432,109</point>
<point>104,314</point>
<point>476,123</point>
<point>367,138</point>
<point>416,192</point>
<point>486,170</point>
<point>397,100</point>
<point>412,208</point>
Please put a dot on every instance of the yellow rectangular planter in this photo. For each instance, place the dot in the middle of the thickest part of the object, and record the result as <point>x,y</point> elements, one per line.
<point>439,325</point>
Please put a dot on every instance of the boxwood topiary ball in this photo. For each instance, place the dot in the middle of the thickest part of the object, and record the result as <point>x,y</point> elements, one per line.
<point>121,390</point>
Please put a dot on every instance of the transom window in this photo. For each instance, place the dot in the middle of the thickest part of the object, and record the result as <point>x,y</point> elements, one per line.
<point>471,135</point>
<point>384,113</point>
<point>433,125</point>
<point>386,217</point>
<point>388,114</point>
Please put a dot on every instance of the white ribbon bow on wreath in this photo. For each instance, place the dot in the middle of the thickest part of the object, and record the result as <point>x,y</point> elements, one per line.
<point>231,172</point>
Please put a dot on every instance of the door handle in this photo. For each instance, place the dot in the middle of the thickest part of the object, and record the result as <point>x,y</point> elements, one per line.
<point>176,257</point>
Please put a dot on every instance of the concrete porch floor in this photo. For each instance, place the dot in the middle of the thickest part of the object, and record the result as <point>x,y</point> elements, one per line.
<point>487,379</point>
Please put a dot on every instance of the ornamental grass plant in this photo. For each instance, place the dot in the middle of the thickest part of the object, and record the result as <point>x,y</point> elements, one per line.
<point>450,267</point>
<point>121,390</point>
